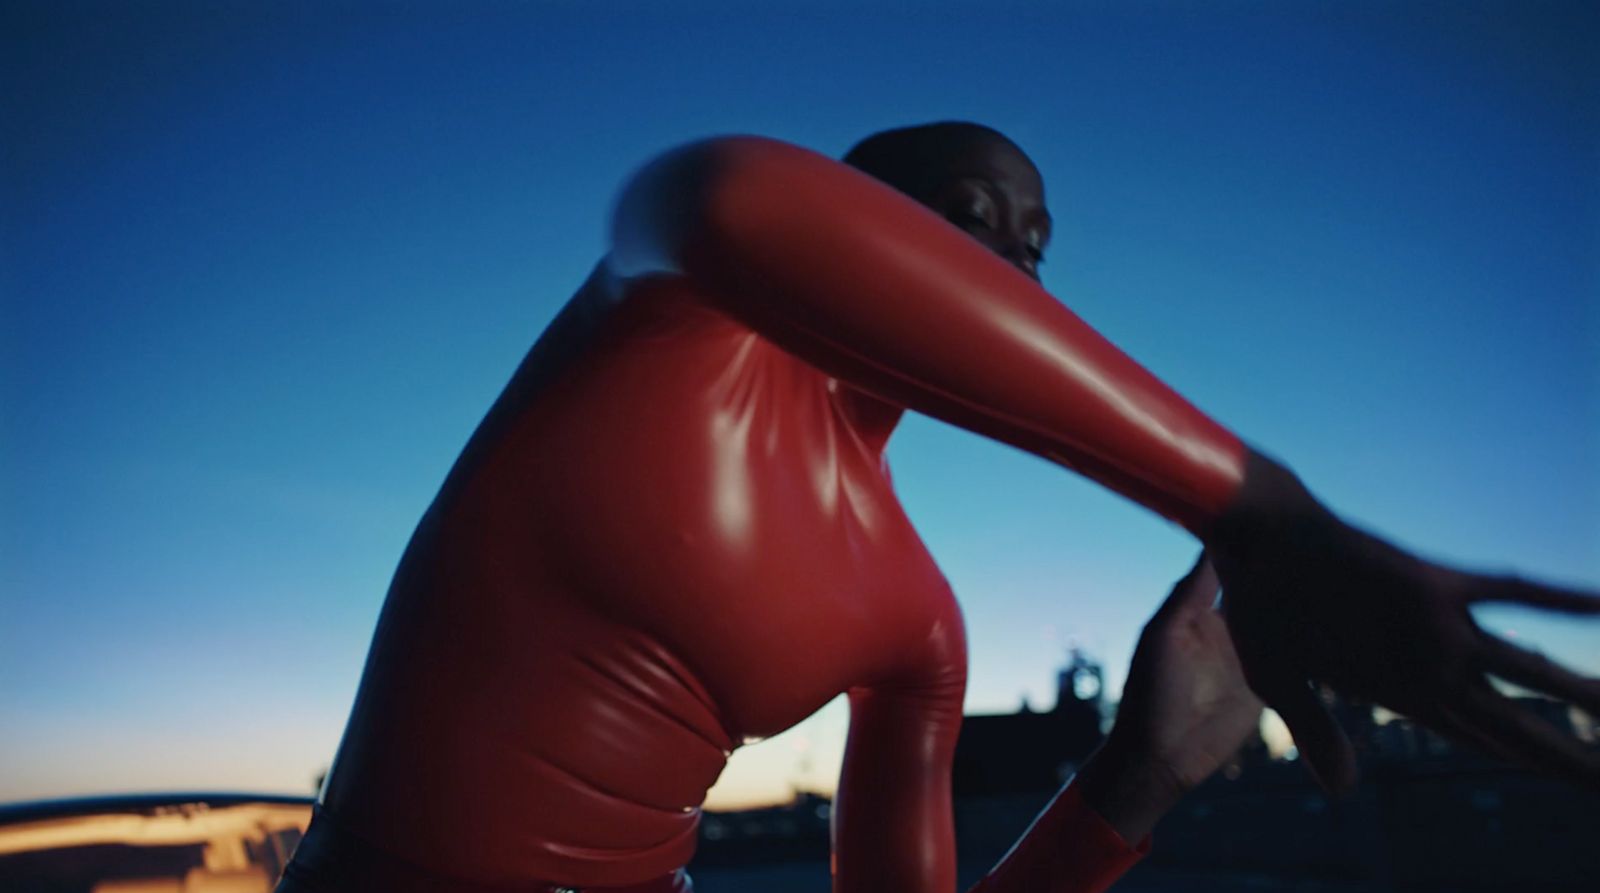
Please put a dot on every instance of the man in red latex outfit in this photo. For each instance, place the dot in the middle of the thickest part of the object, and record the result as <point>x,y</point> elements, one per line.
<point>675,530</point>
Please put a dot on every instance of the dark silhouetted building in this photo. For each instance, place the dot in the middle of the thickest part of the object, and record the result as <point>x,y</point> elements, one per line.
<point>1028,751</point>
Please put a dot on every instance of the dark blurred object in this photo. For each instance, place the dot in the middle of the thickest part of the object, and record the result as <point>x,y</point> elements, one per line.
<point>796,831</point>
<point>1427,817</point>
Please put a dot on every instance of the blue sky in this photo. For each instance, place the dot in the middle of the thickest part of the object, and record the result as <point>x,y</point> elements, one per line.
<point>266,265</point>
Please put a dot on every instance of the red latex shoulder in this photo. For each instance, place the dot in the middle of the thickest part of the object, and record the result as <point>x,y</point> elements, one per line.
<point>866,284</point>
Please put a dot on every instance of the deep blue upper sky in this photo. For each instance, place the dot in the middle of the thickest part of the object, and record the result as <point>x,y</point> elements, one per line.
<point>265,265</point>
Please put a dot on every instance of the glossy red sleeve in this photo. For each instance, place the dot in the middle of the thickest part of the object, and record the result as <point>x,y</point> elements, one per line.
<point>1068,849</point>
<point>866,284</point>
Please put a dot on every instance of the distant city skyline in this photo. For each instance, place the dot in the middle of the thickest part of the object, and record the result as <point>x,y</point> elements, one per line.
<point>265,266</point>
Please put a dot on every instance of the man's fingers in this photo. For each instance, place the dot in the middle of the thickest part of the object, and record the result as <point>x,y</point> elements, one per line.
<point>1528,739</point>
<point>1538,595</point>
<point>1321,742</point>
<point>1533,670</point>
<point>1197,589</point>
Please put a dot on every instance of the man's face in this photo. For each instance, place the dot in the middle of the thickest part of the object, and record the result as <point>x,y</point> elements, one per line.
<point>995,194</point>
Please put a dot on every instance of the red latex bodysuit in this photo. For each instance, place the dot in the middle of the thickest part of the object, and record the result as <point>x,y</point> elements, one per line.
<point>675,530</point>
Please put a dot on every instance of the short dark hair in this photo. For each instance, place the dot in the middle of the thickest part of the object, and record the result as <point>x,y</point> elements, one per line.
<point>908,157</point>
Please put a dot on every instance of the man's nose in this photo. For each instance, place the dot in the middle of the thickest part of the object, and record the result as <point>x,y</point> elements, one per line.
<point>1021,257</point>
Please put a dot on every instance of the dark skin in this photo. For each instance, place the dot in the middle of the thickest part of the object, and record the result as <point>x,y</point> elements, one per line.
<point>996,195</point>
<point>1311,600</point>
<point>1185,712</point>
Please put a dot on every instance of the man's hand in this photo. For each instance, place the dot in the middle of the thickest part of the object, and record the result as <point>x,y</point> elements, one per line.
<point>1185,711</point>
<point>1310,599</point>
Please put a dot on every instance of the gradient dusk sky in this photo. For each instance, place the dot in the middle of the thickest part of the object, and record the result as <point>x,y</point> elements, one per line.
<point>266,264</point>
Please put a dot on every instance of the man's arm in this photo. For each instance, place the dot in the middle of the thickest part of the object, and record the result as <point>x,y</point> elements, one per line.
<point>893,827</point>
<point>892,823</point>
<point>868,285</point>
<point>1185,711</point>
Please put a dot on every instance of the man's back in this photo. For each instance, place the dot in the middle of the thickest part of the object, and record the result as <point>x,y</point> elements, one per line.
<point>668,537</point>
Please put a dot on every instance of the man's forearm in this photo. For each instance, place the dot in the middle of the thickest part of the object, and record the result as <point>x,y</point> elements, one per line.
<point>1130,793</point>
<point>1072,846</point>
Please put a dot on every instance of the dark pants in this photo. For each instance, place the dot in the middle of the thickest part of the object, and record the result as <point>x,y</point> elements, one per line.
<point>330,859</point>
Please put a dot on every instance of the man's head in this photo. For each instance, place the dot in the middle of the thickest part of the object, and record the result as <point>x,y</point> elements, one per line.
<point>971,175</point>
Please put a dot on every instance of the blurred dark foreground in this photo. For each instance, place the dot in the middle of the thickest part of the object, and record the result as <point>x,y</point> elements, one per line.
<point>1428,817</point>
<point>1449,826</point>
